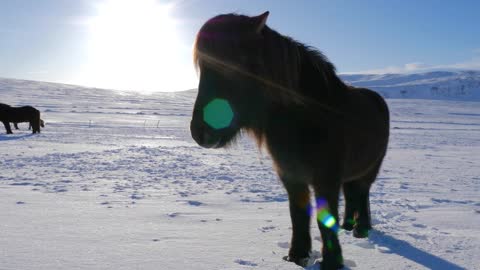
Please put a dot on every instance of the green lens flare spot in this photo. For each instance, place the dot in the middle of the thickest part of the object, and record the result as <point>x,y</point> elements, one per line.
<point>325,217</point>
<point>218,113</point>
<point>330,222</point>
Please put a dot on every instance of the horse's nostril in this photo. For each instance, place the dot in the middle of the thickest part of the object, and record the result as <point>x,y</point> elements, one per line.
<point>199,137</point>
<point>206,136</point>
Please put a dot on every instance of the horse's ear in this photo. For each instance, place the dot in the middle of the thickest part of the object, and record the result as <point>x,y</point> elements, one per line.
<point>260,21</point>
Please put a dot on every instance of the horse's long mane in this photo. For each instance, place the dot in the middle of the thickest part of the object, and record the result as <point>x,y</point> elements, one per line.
<point>305,70</point>
<point>287,68</point>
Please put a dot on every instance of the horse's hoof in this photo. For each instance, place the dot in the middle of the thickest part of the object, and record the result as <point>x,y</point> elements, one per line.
<point>347,226</point>
<point>332,263</point>
<point>303,262</point>
<point>360,232</point>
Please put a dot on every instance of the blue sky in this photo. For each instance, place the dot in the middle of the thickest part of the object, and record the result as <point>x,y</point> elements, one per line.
<point>54,40</point>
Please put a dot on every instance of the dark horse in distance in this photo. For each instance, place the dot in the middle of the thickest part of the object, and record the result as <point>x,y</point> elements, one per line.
<point>321,133</point>
<point>29,114</point>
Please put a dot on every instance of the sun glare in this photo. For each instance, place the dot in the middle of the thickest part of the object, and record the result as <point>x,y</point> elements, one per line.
<point>134,45</point>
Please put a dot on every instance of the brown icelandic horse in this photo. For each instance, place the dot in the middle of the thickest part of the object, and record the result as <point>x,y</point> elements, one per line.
<point>321,133</point>
<point>29,114</point>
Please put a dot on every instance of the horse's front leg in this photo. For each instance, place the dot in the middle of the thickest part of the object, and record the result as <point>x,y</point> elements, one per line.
<point>327,219</point>
<point>299,202</point>
<point>7,127</point>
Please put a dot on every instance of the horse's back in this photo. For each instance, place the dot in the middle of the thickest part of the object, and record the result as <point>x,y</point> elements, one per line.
<point>367,112</point>
<point>367,100</point>
<point>18,114</point>
<point>28,109</point>
<point>28,113</point>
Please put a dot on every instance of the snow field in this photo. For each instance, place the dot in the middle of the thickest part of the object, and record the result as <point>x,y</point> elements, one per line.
<point>114,181</point>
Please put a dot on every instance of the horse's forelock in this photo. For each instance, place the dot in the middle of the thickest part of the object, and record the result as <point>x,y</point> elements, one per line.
<point>277,67</point>
<point>227,19</point>
<point>278,64</point>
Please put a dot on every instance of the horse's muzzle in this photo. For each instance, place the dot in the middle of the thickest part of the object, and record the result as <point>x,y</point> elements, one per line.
<point>203,135</point>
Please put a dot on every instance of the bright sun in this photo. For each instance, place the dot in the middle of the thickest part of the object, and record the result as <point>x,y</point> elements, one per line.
<point>133,45</point>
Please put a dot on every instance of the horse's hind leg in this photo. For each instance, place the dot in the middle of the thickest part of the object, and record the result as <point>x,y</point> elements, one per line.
<point>357,204</point>
<point>15,125</point>
<point>351,202</point>
<point>38,122</point>
<point>299,202</point>
<point>7,127</point>
<point>35,126</point>
<point>35,123</point>
<point>357,208</point>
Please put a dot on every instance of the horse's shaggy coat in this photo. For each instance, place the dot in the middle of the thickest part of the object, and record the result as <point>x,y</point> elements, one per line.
<point>322,134</point>
<point>9,114</point>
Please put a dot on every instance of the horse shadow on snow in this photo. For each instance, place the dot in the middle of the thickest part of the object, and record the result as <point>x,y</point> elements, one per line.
<point>4,137</point>
<point>399,247</point>
<point>406,250</point>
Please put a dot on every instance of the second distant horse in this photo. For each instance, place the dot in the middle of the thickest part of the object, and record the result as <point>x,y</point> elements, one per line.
<point>9,114</point>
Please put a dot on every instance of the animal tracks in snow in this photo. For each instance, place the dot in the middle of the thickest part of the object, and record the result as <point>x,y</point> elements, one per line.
<point>245,263</point>
<point>133,184</point>
<point>266,229</point>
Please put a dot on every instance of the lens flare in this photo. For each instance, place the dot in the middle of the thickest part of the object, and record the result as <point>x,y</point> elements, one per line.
<point>324,216</point>
<point>218,113</point>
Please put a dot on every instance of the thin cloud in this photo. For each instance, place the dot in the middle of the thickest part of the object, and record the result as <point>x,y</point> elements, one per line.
<point>37,72</point>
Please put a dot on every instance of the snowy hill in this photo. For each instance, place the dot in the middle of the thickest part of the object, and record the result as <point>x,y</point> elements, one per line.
<point>446,85</point>
<point>76,99</point>
<point>438,85</point>
<point>114,181</point>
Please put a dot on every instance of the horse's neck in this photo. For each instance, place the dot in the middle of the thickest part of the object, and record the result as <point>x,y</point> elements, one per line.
<point>319,82</point>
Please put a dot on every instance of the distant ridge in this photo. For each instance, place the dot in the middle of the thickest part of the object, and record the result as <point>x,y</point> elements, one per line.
<point>445,85</point>
<point>48,96</point>
<point>12,84</point>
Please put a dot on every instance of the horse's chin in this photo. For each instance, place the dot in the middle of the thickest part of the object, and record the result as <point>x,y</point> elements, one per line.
<point>210,145</point>
<point>216,139</point>
<point>217,144</point>
<point>221,142</point>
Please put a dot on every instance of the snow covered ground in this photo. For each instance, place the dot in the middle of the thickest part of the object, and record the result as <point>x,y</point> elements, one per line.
<point>115,181</point>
